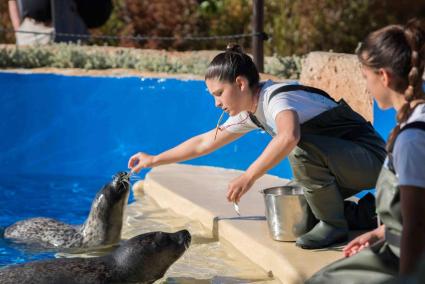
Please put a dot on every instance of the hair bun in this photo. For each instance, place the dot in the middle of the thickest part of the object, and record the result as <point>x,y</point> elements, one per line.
<point>233,47</point>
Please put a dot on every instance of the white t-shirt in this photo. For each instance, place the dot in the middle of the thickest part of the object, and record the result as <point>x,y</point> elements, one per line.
<point>307,105</point>
<point>409,152</point>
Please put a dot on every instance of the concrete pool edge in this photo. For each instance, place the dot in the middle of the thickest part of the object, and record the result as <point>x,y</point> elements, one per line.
<point>121,73</point>
<point>198,192</point>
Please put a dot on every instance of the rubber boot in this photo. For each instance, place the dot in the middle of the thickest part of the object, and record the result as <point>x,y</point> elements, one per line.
<point>327,205</point>
<point>308,222</point>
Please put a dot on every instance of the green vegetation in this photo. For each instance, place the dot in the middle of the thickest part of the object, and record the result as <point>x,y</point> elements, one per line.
<point>93,57</point>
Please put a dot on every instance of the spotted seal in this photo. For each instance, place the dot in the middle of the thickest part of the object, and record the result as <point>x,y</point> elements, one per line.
<point>101,228</point>
<point>141,259</point>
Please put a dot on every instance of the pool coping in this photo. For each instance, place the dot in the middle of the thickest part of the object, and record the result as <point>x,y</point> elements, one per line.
<point>198,192</point>
<point>121,73</point>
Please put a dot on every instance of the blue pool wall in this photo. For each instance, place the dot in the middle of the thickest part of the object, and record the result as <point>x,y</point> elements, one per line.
<point>90,126</point>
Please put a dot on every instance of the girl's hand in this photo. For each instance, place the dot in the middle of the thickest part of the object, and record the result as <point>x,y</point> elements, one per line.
<point>363,241</point>
<point>140,161</point>
<point>238,187</point>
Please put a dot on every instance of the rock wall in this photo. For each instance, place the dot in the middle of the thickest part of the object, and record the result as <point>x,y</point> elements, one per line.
<point>338,74</point>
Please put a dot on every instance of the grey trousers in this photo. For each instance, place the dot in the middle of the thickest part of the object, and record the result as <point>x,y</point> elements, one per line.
<point>376,264</point>
<point>331,169</point>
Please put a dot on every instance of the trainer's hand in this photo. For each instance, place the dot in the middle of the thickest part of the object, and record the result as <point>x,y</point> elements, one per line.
<point>363,241</point>
<point>140,161</point>
<point>238,187</point>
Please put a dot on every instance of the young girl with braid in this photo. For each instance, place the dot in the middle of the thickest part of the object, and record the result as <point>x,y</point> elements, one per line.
<point>393,60</point>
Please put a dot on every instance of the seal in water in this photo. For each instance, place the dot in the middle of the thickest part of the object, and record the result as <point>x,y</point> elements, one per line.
<point>102,227</point>
<point>142,259</point>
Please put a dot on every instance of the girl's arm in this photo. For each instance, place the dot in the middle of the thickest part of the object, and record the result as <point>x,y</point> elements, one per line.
<point>288,135</point>
<point>194,147</point>
<point>413,235</point>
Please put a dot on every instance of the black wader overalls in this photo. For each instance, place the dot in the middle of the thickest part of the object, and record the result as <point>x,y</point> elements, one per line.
<point>380,262</point>
<point>339,154</point>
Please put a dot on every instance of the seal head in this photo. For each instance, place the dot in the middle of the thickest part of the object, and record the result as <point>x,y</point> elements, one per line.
<point>158,249</point>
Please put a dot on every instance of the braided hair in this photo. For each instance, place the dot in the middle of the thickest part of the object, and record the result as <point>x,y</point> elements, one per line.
<point>400,50</point>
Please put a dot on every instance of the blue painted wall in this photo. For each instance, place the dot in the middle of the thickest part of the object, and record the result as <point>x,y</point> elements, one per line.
<point>383,120</point>
<point>90,126</point>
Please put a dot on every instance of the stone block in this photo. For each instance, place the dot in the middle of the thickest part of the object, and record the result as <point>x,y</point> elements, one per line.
<point>340,76</point>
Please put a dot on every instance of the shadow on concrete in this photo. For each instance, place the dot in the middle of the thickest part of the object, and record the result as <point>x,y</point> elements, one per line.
<point>244,218</point>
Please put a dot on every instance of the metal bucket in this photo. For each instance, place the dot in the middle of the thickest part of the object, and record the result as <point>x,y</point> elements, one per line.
<point>285,212</point>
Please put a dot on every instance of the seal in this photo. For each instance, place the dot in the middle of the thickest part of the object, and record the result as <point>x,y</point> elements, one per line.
<point>101,228</point>
<point>141,259</point>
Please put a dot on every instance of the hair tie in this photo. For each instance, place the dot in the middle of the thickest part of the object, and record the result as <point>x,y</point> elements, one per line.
<point>409,93</point>
<point>414,58</point>
<point>234,48</point>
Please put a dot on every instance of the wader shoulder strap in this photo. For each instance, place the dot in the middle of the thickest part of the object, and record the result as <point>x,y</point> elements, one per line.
<point>414,125</point>
<point>289,88</point>
<point>255,121</point>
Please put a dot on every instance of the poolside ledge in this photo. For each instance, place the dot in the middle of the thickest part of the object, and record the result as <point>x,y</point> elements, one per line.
<point>198,192</point>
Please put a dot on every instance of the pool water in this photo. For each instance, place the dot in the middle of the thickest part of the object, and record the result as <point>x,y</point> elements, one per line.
<point>67,199</point>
